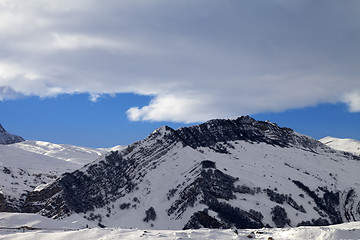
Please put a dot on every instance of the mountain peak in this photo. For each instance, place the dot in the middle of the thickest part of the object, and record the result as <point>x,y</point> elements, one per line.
<point>244,128</point>
<point>225,172</point>
<point>342,144</point>
<point>7,138</point>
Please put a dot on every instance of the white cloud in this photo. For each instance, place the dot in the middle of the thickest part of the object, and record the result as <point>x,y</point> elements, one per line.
<point>172,108</point>
<point>353,101</point>
<point>94,97</point>
<point>198,60</point>
<point>75,41</point>
<point>8,71</point>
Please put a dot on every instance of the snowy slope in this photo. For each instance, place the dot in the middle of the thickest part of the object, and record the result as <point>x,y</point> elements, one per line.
<point>73,154</point>
<point>30,164</point>
<point>60,229</point>
<point>218,174</point>
<point>115,148</point>
<point>17,220</point>
<point>346,144</point>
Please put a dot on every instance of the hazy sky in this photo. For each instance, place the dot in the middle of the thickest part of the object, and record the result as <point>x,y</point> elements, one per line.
<point>176,62</point>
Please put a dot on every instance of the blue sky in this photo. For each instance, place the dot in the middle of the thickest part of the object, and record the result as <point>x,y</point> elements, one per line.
<point>73,119</point>
<point>101,73</point>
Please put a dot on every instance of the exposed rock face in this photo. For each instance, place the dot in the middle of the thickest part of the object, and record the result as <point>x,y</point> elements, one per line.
<point>202,219</point>
<point>223,173</point>
<point>7,138</point>
<point>5,206</point>
<point>216,131</point>
<point>279,217</point>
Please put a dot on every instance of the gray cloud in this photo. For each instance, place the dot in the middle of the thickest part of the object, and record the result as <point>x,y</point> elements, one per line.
<point>199,59</point>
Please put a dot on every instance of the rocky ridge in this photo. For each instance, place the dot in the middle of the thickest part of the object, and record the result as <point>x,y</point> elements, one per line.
<point>222,173</point>
<point>7,138</point>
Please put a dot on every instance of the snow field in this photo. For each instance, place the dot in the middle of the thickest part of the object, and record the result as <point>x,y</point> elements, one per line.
<point>346,231</point>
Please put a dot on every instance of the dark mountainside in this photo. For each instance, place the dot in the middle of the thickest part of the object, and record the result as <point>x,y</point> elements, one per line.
<point>222,173</point>
<point>7,138</point>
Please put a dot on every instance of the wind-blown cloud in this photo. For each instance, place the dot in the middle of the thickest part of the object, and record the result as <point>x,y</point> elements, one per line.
<point>353,101</point>
<point>199,60</point>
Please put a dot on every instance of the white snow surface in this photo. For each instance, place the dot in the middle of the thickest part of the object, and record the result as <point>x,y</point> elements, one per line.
<point>342,144</point>
<point>68,153</point>
<point>115,148</point>
<point>41,155</point>
<point>17,220</point>
<point>12,226</point>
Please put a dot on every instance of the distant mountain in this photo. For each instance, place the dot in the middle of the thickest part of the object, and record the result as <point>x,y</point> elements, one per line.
<point>30,165</point>
<point>115,148</point>
<point>346,144</point>
<point>222,173</point>
<point>7,138</point>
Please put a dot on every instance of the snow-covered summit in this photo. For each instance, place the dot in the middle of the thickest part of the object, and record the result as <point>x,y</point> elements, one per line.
<point>342,144</point>
<point>7,138</point>
<point>222,173</point>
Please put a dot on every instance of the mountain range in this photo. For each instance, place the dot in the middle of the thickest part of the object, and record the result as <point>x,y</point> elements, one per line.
<point>223,173</point>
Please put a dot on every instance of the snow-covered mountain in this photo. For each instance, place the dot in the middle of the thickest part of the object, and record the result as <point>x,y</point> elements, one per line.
<point>29,165</point>
<point>342,144</point>
<point>7,138</point>
<point>232,172</point>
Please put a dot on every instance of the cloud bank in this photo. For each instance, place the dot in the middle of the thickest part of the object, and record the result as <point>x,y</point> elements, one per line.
<point>198,59</point>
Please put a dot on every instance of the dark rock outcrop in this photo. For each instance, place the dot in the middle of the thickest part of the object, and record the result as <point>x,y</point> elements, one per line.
<point>7,138</point>
<point>328,204</point>
<point>150,215</point>
<point>279,217</point>
<point>202,219</point>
